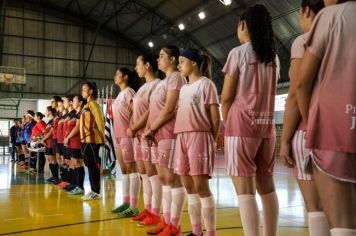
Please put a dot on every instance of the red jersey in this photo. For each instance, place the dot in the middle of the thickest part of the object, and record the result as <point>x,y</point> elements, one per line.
<point>55,127</point>
<point>74,142</point>
<point>38,129</point>
<point>46,131</point>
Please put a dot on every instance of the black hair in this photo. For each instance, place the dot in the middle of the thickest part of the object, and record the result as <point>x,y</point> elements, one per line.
<point>205,65</point>
<point>81,99</point>
<point>133,81</point>
<point>150,59</point>
<point>69,97</point>
<point>343,1</point>
<point>57,98</point>
<point>172,51</point>
<point>314,5</point>
<point>92,86</point>
<point>32,113</point>
<point>39,114</point>
<point>259,24</point>
<point>51,110</point>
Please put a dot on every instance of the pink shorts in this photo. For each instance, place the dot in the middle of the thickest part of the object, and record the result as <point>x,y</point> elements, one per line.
<point>301,156</point>
<point>154,154</point>
<point>142,150</point>
<point>339,165</point>
<point>166,149</point>
<point>194,154</point>
<point>126,146</point>
<point>245,156</point>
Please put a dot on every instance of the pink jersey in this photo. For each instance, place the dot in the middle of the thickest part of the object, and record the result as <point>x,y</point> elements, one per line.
<point>252,112</point>
<point>297,52</point>
<point>192,114</point>
<point>122,113</point>
<point>158,99</point>
<point>332,111</point>
<point>141,100</point>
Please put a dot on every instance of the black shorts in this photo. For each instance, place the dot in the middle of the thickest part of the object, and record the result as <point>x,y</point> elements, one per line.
<point>75,153</point>
<point>55,146</point>
<point>66,153</point>
<point>49,152</point>
<point>23,142</point>
<point>60,147</point>
<point>17,144</point>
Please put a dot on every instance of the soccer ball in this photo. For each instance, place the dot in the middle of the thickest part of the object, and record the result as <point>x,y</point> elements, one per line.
<point>33,144</point>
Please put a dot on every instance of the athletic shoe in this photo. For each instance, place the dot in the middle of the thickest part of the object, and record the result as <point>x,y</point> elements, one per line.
<point>158,229</point>
<point>191,234</point>
<point>129,212</point>
<point>63,184</point>
<point>50,180</point>
<point>140,217</point>
<point>69,187</point>
<point>76,191</point>
<point>57,181</point>
<point>170,231</point>
<point>91,196</point>
<point>150,220</point>
<point>121,208</point>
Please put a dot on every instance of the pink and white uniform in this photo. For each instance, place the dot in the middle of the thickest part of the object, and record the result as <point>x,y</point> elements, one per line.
<point>249,129</point>
<point>141,103</point>
<point>300,153</point>
<point>122,116</point>
<point>331,128</point>
<point>194,154</point>
<point>165,134</point>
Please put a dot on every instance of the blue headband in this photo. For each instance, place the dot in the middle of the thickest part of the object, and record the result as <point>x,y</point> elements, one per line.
<point>192,56</point>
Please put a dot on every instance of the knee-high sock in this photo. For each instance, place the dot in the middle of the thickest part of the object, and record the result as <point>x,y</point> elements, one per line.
<point>126,189</point>
<point>195,213</point>
<point>249,214</point>
<point>156,194</point>
<point>342,232</point>
<point>270,213</point>
<point>178,198</point>
<point>135,186</point>
<point>318,224</point>
<point>208,205</point>
<point>166,203</point>
<point>147,192</point>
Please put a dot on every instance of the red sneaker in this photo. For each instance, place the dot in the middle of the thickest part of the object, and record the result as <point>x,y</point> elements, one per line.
<point>171,231</point>
<point>140,217</point>
<point>158,229</point>
<point>150,220</point>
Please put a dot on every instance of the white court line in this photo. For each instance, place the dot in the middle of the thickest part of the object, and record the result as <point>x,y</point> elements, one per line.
<point>13,219</point>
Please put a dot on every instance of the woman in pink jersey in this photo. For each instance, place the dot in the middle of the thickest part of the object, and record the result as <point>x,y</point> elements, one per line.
<point>197,126</point>
<point>127,81</point>
<point>251,73</point>
<point>160,129</point>
<point>293,151</point>
<point>326,98</point>
<point>145,68</point>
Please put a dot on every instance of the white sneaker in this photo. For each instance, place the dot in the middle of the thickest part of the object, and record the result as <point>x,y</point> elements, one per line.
<point>91,196</point>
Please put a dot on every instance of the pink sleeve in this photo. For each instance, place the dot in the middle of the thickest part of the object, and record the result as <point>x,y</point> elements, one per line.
<point>129,97</point>
<point>319,34</point>
<point>175,82</point>
<point>211,94</point>
<point>232,64</point>
<point>298,48</point>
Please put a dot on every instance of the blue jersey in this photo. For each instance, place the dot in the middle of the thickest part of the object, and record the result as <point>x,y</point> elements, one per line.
<point>27,130</point>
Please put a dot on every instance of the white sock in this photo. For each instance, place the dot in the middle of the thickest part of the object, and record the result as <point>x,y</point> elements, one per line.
<point>343,232</point>
<point>208,206</point>
<point>318,224</point>
<point>147,192</point>
<point>156,195</point>
<point>270,213</point>
<point>166,203</point>
<point>135,186</point>
<point>249,214</point>
<point>126,188</point>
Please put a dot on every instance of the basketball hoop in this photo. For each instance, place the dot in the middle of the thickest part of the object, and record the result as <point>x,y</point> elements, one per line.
<point>8,78</point>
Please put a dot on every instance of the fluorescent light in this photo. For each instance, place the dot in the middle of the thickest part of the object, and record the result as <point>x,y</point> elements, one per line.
<point>201,15</point>
<point>150,44</point>
<point>225,2</point>
<point>181,26</point>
